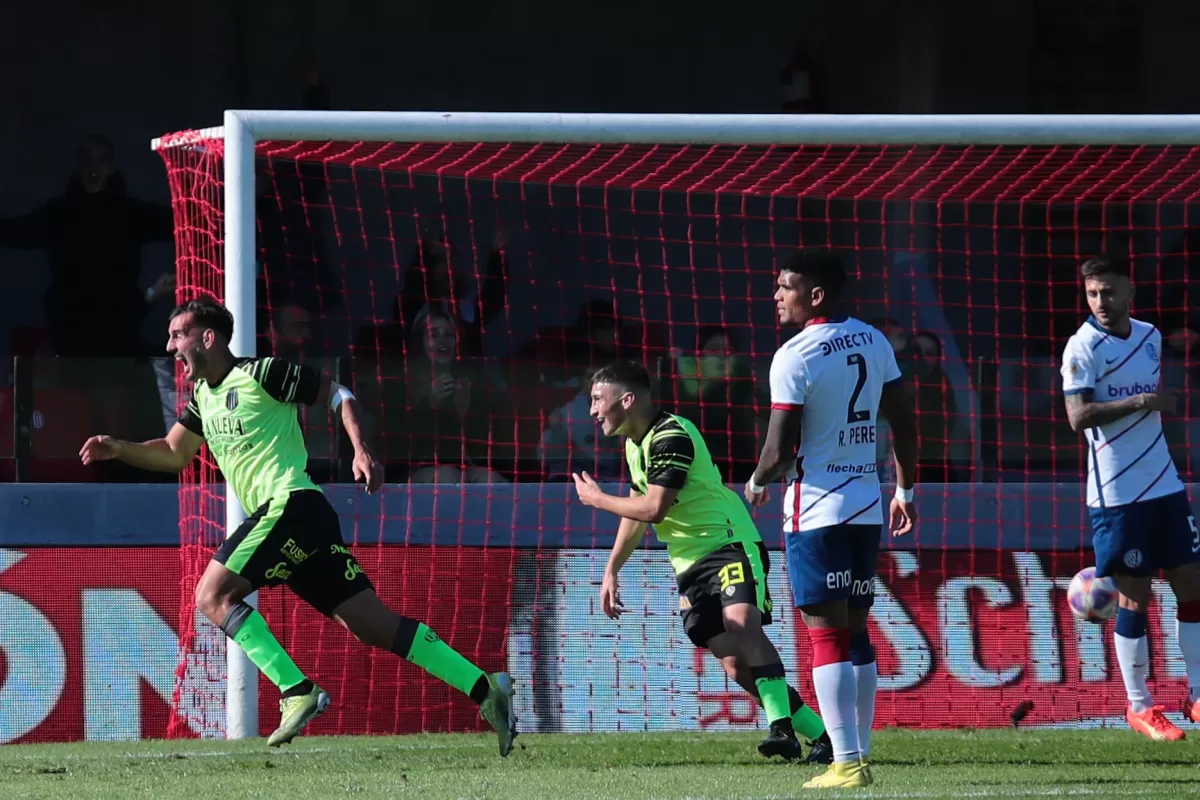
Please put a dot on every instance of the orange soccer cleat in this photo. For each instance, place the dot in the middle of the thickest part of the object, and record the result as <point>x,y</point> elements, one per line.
<point>1154,724</point>
<point>1191,710</point>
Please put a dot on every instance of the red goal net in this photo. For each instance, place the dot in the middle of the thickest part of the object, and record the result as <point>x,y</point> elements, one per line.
<point>466,292</point>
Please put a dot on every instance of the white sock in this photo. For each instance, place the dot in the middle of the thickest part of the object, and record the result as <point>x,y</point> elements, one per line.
<point>837,691</point>
<point>1188,634</point>
<point>1133,655</point>
<point>866,678</point>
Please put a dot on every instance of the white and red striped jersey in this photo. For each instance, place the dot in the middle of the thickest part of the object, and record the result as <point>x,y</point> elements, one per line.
<point>1128,460</point>
<point>835,369</point>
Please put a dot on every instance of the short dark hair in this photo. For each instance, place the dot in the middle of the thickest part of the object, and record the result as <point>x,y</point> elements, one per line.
<point>94,140</point>
<point>706,332</point>
<point>820,265</point>
<point>629,374</point>
<point>1102,266</point>
<point>207,313</point>
<point>933,336</point>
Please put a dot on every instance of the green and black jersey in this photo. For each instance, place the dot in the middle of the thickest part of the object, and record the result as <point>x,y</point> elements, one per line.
<point>706,515</point>
<point>250,423</point>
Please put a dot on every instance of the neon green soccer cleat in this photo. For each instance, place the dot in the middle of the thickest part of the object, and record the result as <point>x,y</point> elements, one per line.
<point>295,713</point>
<point>497,709</point>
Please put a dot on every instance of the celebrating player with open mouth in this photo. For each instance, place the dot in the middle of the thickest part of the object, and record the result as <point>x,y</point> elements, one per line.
<point>718,556</point>
<point>828,385</point>
<point>245,408</point>
<point>1142,521</point>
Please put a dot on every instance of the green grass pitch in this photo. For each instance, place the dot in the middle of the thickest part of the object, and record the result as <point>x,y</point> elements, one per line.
<point>908,764</point>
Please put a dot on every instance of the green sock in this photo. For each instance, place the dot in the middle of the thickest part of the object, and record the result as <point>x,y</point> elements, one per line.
<point>437,658</point>
<point>253,636</point>
<point>805,721</point>
<point>772,691</point>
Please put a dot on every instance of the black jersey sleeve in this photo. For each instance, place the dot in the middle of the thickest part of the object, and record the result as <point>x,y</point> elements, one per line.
<point>190,418</point>
<point>671,455</point>
<point>285,381</point>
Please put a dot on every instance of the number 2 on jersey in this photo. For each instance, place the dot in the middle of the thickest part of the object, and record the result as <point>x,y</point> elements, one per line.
<point>852,414</point>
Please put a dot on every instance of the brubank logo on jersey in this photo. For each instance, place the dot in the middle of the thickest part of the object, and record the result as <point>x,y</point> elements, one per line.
<point>1132,390</point>
<point>847,342</point>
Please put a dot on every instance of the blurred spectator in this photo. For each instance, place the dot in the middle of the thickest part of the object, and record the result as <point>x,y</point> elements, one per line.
<point>290,332</point>
<point>715,389</point>
<point>899,338</point>
<point>598,336</point>
<point>573,441</point>
<point>316,92</point>
<point>294,263</point>
<point>433,283</point>
<point>93,236</point>
<point>446,409</point>
<point>1181,375</point>
<point>936,408</point>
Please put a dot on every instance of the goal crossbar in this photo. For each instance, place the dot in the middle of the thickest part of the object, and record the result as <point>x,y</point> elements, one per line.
<point>763,129</point>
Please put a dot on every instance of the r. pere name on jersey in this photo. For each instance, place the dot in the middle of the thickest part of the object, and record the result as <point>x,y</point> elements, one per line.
<point>1128,458</point>
<point>836,370</point>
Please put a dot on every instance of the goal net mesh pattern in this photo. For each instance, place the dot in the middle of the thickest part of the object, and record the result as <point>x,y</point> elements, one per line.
<point>466,292</point>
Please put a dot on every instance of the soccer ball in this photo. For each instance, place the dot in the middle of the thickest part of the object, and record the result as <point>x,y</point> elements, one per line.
<point>1091,598</point>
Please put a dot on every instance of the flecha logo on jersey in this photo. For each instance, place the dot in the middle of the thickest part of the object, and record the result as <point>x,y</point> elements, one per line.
<point>850,469</point>
<point>1132,391</point>
<point>231,399</point>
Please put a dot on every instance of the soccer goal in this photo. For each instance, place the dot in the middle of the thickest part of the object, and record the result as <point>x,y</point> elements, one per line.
<point>466,271</point>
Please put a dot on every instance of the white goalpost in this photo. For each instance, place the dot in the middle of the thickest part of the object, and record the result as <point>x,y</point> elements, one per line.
<point>242,129</point>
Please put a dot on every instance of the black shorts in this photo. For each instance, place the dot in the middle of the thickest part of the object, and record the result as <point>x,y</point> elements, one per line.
<point>726,577</point>
<point>296,541</point>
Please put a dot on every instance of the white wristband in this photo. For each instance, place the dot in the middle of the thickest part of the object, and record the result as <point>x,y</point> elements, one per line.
<point>905,495</point>
<point>338,394</point>
<point>755,488</point>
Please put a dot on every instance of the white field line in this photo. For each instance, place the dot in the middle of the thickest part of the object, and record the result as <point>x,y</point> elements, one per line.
<point>1079,791</point>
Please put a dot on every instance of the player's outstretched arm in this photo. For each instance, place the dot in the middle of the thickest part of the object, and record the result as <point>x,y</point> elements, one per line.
<point>170,454</point>
<point>782,428</point>
<point>648,508</point>
<point>897,406</point>
<point>343,403</point>
<point>629,535</point>
<point>790,384</point>
<point>1084,412</point>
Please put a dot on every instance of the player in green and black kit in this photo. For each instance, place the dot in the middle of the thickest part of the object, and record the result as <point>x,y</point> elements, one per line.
<point>245,409</point>
<point>719,559</point>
